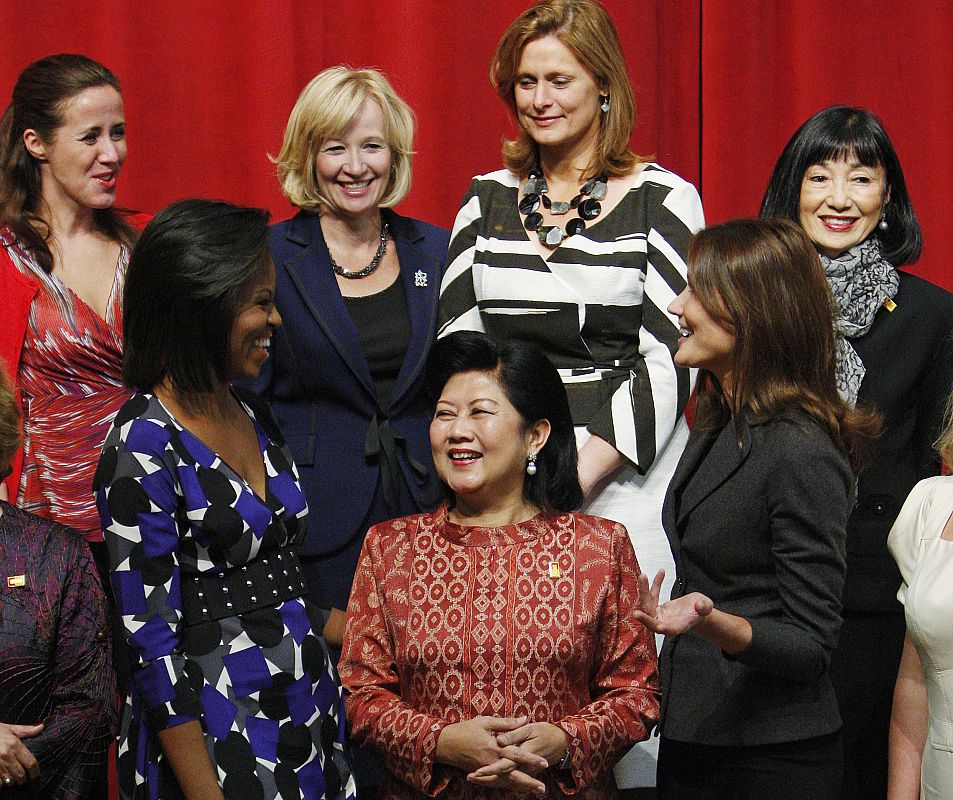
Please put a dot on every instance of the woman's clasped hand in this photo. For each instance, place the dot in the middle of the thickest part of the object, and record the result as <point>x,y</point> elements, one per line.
<point>502,753</point>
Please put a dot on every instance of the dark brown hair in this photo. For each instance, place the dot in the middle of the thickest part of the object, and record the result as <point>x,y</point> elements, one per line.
<point>532,384</point>
<point>10,437</point>
<point>39,101</point>
<point>763,278</point>
<point>586,29</point>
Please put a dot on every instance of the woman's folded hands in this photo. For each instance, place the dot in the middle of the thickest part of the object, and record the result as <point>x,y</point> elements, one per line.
<point>503,753</point>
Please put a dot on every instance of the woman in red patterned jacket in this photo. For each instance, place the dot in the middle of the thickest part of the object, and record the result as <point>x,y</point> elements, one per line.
<point>492,646</point>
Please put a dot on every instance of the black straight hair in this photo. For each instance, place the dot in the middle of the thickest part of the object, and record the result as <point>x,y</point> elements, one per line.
<point>532,384</point>
<point>187,277</point>
<point>834,133</point>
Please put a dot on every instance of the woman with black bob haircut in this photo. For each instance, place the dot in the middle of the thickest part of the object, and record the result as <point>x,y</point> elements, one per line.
<point>519,665</point>
<point>531,383</point>
<point>840,179</point>
<point>843,133</point>
<point>202,511</point>
<point>193,272</point>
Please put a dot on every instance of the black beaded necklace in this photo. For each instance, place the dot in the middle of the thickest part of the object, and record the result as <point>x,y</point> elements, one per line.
<point>586,204</point>
<point>363,273</point>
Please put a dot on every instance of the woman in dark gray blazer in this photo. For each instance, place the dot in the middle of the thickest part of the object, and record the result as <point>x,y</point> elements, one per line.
<point>756,516</point>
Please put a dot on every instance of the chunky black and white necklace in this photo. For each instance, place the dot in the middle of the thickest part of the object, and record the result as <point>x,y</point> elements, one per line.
<point>586,204</point>
<point>375,262</point>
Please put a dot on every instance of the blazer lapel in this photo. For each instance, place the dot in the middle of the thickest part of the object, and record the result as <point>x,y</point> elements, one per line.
<point>420,275</point>
<point>698,443</point>
<point>723,460</point>
<point>310,272</point>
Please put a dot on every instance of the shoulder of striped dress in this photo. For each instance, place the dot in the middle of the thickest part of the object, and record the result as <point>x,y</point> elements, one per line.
<point>503,177</point>
<point>655,173</point>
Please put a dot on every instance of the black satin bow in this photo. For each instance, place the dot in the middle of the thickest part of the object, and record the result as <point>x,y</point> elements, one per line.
<point>381,443</point>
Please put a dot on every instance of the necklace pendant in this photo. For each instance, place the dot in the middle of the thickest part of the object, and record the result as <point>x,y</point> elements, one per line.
<point>575,226</point>
<point>529,203</point>
<point>559,207</point>
<point>551,235</point>
<point>589,208</point>
<point>535,185</point>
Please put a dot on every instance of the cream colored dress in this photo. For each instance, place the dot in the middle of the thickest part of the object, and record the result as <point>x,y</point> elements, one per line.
<point>926,564</point>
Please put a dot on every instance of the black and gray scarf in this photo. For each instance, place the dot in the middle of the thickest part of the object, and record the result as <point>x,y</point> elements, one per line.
<point>861,281</point>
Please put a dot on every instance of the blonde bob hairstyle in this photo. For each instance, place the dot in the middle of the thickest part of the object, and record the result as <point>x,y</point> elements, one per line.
<point>585,28</point>
<point>324,109</point>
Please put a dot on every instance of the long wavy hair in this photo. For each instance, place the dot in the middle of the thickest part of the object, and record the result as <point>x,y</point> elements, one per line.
<point>40,97</point>
<point>763,279</point>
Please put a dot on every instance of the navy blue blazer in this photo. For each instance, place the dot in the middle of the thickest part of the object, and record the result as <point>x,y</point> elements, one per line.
<point>320,388</point>
<point>759,526</point>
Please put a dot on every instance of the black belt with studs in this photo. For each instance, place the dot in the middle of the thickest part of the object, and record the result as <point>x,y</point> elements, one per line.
<point>262,583</point>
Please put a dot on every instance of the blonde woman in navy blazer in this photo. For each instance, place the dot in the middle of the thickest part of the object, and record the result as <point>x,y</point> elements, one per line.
<point>756,516</point>
<point>357,289</point>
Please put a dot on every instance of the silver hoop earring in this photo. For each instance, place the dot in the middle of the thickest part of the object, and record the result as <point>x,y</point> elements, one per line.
<point>605,104</point>
<point>531,463</point>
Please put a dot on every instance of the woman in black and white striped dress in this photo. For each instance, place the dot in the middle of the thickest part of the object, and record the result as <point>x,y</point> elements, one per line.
<point>579,246</point>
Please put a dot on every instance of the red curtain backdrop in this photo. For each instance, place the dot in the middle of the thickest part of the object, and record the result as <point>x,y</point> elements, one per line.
<point>720,86</point>
<point>767,66</point>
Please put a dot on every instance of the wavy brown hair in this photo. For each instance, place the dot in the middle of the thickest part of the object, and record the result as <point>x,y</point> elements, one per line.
<point>40,98</point>
<point>10,436</point>
<point>586,29</point>
<point>763,279</point>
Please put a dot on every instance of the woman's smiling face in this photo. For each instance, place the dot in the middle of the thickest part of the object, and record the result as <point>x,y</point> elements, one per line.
<point>480,442</point>
<point>841,203</point>
<point>706,342</point>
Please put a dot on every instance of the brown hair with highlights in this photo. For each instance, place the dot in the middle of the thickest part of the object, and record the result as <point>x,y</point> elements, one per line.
<point>586,29</point>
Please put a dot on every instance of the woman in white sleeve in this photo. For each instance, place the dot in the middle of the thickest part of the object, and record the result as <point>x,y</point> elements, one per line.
<point>921,725</point>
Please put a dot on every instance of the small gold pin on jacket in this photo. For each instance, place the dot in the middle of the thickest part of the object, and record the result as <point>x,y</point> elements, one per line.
<point>16,581</point>
<point>553,569</point>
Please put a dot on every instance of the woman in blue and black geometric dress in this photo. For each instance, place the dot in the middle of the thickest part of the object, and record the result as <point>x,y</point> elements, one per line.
<point>202,510</point>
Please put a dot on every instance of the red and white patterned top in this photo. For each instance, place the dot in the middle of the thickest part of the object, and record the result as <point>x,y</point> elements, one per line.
<point>446,623</point>
<point>69,377</point>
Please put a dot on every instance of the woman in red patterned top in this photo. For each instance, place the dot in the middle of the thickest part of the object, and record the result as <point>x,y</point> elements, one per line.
<point>63,254</point>
<point>492,646</point>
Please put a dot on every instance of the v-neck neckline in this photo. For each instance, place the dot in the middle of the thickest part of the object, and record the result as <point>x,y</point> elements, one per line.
<point>110,299</point>
<point>263,442</point>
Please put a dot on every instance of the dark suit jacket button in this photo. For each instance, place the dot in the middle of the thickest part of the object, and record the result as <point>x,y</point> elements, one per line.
<point>880,509</point>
